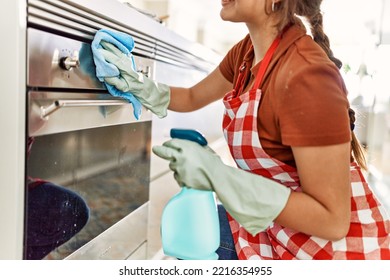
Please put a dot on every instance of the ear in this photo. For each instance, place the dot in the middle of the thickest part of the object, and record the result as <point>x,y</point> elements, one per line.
<point>275,4</point>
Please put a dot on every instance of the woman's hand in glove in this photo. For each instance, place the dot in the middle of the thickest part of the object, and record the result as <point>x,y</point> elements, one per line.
<point>254,201</point>
<point>152,95</point>
<point>190,162</point>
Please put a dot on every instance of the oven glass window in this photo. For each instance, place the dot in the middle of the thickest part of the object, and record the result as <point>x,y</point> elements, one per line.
<point>81,183</point>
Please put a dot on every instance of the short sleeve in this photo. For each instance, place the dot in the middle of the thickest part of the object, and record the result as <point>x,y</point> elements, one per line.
<point>313,108</point>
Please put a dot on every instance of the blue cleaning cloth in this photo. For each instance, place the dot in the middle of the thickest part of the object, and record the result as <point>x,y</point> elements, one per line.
<point>125,43</point>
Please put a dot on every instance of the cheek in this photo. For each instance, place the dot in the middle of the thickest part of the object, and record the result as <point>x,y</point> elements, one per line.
<point>243,11</point>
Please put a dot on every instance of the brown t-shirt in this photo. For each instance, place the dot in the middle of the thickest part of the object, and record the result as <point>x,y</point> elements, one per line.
<point>304,99</point>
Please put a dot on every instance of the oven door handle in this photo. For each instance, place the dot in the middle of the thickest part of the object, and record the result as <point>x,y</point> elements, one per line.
<point>58,104</point>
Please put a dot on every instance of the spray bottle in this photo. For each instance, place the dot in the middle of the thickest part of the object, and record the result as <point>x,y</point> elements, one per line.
<point>189,224</point>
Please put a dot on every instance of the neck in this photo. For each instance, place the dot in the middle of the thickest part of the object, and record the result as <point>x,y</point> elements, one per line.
<point>262,39</point>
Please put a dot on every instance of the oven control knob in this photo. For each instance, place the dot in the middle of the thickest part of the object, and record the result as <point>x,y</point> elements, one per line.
<point>68,62</point>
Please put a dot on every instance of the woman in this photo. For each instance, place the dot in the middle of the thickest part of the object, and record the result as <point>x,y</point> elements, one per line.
<point>299,192</point>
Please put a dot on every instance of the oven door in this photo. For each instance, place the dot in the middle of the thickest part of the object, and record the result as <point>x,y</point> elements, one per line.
<point>88,159</point>
<point>87,193</point>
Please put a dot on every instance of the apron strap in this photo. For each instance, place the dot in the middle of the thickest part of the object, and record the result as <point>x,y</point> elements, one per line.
<point>265,62</point>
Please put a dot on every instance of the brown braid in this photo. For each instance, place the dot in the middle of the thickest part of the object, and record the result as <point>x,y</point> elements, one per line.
<point>311,10</point>
<point>357,149</point>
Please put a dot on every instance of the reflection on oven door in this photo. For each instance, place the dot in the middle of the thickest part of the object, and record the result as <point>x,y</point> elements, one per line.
<point>81,183</point>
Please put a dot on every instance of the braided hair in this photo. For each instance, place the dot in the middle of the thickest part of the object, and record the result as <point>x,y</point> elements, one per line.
<point>311,10</point>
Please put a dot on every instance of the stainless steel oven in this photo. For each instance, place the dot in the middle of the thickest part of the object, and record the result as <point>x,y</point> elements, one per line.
<point>88,158</point>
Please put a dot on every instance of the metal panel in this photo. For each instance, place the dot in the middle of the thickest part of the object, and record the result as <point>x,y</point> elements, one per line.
<point>62,17</point>
<point>96,110</point>
<point>82,18</point>
<point>45,53</point>
<point>120,241</point>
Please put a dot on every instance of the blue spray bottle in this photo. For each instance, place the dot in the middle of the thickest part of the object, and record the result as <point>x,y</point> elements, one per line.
<point>189,224</point>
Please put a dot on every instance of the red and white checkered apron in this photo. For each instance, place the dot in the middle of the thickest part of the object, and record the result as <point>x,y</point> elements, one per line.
<point>368,237</point>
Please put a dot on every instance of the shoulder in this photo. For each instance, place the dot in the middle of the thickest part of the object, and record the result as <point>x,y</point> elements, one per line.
<point>309,86</point>
<point>306,63</point>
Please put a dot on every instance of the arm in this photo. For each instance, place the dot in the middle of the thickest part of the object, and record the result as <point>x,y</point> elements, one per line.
<point>159,97</point>
<point>323,208</point>
<point>210,89</point>
<point>321,149</point>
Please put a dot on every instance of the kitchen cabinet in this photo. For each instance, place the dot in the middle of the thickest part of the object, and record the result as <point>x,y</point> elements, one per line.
<point>12,126</point>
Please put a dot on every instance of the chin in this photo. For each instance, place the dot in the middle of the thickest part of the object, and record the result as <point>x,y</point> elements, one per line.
<point>226,17</point>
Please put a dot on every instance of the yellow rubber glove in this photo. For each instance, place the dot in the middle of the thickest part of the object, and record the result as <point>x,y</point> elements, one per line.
<point>152,95</point>
<point>254,201</point>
